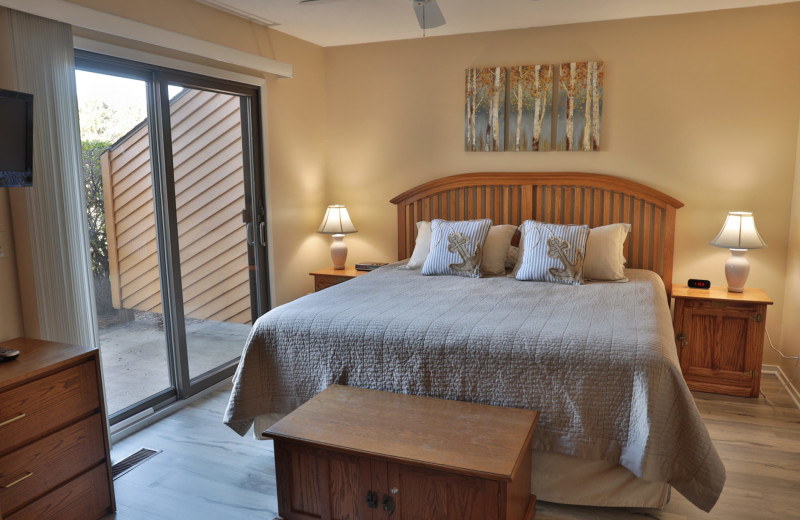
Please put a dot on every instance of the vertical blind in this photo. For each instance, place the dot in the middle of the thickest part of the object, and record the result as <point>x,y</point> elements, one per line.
<point>44,66</point>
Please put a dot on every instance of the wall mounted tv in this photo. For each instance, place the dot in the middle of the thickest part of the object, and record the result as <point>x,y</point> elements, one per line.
<point>16,139</point>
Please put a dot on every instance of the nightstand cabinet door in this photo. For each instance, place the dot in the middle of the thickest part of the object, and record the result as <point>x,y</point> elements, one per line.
<point>720,344</point>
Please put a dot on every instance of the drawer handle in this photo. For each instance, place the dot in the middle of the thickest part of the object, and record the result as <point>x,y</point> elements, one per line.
<point>20,479</point>
<point>9,421</point>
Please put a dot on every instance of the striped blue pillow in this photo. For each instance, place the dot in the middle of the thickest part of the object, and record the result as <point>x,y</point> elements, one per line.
<point>553,252</point>
<point>456,247</point>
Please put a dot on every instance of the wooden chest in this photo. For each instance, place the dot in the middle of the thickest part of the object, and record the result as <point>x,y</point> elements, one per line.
<point>54,461</point>
<point>353,453</point>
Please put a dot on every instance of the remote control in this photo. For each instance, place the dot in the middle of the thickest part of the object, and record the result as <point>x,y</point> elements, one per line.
<point>8,354</point>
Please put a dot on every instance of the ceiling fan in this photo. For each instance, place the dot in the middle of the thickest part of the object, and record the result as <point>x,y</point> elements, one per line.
<point>428,13</point>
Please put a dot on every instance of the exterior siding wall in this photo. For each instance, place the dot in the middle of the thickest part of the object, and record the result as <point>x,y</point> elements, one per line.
<point>209,192</point>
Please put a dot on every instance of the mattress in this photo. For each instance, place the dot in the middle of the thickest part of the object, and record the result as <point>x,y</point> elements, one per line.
<point>598,361</point>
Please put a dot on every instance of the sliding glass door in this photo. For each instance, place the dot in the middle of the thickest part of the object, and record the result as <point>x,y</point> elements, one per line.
<point>182,225</point>
<point>122,231</point>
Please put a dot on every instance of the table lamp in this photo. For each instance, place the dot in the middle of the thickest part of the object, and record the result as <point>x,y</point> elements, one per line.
<point>336,222</point>
<point>738,234</point>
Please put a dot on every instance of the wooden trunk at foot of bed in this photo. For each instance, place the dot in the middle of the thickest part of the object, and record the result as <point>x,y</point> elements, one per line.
<point>560,198</point>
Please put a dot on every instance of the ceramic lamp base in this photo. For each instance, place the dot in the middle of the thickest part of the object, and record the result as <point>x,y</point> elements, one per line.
<point>736,270</point>
<point>338,251</point>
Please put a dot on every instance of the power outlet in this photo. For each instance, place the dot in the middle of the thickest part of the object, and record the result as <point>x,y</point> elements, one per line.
<point>3,243</point>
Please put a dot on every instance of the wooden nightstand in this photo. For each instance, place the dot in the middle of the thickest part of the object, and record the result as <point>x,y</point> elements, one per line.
<point>720,337</point>
<point>329,276</point>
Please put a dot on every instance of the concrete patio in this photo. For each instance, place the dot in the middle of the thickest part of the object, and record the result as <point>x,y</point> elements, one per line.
<point>134,354</point>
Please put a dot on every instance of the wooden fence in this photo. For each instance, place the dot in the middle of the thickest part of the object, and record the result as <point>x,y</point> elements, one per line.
<point>209,192</point>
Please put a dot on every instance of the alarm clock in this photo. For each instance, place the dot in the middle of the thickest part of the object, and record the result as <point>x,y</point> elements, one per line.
<point>699,284</point>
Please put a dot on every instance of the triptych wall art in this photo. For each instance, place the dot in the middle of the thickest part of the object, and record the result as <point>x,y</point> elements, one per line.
<point>486,110</point>
<point>571,94</point>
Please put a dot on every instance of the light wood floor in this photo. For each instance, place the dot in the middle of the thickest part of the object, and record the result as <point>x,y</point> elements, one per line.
<point>207,472</point>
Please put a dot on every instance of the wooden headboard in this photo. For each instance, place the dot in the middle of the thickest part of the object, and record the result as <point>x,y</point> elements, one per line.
<point>558,197</point>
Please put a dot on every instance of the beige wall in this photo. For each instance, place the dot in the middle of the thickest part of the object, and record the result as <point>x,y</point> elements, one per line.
<point>703,107</point>
<point>10,308</point>
<point>790,339</point>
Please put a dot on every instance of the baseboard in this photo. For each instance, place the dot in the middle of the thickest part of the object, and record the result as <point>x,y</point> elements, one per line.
<point>782,379</point>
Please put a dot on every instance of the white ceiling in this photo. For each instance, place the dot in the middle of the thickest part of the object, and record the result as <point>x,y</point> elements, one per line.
<point>344,22</point>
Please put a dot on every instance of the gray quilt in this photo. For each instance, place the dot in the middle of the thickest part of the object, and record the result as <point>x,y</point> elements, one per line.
<point>597,360</point>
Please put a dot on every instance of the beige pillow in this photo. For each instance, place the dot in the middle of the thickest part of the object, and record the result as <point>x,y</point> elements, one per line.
<point>495,249</point>
<point>604,258</point>
<point>512,257</point>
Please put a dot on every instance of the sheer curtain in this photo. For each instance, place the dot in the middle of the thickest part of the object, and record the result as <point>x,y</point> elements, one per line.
<point>44,66</point>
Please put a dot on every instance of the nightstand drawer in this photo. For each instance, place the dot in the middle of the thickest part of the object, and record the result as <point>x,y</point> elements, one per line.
<point>728,306</point>
<point>328,281</point>
<point>39,407</point>
<point>84,497</point>
<point>43,465</point>
<point>329,277</point>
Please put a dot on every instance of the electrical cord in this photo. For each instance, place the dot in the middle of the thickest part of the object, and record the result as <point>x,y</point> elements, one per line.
<point>794,372</point>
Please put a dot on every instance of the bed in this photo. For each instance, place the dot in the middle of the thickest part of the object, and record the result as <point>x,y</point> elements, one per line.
<point>618,424</point>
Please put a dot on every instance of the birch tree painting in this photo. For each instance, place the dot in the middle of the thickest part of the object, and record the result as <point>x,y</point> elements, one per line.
<point>530,124</point>
<point>580,105</point>
<point>484,121</point>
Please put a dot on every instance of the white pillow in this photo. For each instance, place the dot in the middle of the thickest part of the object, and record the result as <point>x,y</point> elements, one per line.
<point>604,258</point>
<point>421,247</point>
<point>495,249</point>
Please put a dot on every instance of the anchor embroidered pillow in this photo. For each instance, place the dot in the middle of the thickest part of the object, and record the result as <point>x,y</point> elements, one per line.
<point>456,247</point>
<point>553,252</point>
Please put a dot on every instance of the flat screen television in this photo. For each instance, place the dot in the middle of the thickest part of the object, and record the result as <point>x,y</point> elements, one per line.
<point>16,139</point>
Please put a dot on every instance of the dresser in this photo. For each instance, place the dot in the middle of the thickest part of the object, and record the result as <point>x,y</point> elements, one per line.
<point>720,338</point>
<point>54,451</point>
<point>355,453</point>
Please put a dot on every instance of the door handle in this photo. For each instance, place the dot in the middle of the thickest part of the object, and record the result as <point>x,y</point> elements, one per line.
<point>262,233</point>
<point>372,500</point>
<point>249,232</point>
<point>683,338</point>
<point>388,504</point>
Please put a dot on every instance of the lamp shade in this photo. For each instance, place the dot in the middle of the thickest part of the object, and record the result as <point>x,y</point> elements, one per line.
<point>336,221</point>
<point>739,232</point>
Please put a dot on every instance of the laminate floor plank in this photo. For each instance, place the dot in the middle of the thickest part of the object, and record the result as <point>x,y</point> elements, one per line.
<point>207,472</point>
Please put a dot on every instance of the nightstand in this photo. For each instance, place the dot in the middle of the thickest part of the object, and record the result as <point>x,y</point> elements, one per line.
<point>720,337</point>
<point>329,276</point>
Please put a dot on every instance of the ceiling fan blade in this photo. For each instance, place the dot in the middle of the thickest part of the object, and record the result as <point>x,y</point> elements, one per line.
<point>428,14</point>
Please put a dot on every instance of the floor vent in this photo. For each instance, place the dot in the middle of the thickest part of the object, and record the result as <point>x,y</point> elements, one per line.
<point>131,461</point>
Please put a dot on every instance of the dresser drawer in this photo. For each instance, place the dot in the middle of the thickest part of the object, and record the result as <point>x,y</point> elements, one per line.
<point>33,409</point>
<point>84,497</point>
<point>45,464</point>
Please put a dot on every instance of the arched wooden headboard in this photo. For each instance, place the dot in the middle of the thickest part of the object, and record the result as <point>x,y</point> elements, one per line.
<point>558,197</point>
